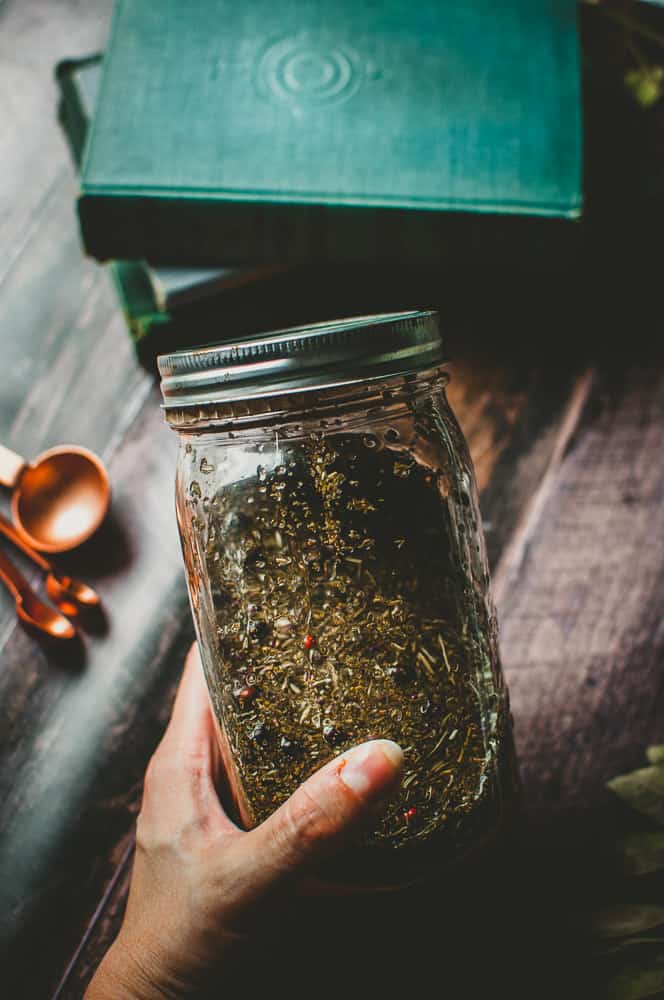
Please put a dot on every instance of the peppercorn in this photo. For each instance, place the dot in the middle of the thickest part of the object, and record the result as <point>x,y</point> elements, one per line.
<point>400,675</point>
<point>247,694</point>
<point>258,629</point>
<point>290,748</point>
<point>333,736</point>
<point>259,734</point>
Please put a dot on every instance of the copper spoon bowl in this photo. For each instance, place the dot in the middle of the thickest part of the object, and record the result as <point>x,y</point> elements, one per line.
<point>59,499</point>
<point>30,609</point>
<point>69,594</point>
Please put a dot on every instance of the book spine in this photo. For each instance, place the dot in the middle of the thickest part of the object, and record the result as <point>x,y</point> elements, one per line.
<point>72,114</point>
<point>114,225</point>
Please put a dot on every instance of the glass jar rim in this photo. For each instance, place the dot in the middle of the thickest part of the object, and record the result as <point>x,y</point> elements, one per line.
<point>315,356</point>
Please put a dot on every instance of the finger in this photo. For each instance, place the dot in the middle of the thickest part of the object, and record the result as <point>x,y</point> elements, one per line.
<point>321,813</point>
<point>180,783</point>
<point>191,722</point>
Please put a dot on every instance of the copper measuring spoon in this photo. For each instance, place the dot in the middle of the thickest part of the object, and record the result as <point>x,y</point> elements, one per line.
<point>59,499</point>
<point>30,609</point>
<point>65,591</point>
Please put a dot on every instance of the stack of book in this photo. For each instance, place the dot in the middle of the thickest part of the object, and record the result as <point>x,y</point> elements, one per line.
<point>248,166</point>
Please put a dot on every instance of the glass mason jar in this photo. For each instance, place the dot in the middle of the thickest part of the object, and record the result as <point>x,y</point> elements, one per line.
<point>338,580</point>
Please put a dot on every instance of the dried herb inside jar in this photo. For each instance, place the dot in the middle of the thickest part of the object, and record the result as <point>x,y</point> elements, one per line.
<point>342,614</point>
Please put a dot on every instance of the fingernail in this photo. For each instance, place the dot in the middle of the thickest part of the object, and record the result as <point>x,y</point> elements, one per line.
<point>371,768</point>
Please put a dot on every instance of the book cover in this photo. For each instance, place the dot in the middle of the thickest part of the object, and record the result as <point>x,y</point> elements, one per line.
<point>257,132</point>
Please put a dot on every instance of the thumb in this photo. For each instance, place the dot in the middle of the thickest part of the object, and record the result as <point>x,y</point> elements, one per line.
<point>322,812</point>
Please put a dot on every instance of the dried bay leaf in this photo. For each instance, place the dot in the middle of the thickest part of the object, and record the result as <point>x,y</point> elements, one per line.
<point>643,853</point>
<point>632,934</point>
<point>637,981</point>
<point>643,790</point>
<point>653,941</point>
<point>623,919</point>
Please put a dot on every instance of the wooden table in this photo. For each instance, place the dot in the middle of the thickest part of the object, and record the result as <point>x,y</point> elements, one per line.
<point>567,436</point>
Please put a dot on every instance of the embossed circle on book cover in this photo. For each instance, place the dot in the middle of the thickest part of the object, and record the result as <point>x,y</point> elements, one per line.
<point>309,71</point>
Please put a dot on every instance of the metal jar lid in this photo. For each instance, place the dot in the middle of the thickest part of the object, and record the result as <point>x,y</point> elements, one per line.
<point>321,355</point>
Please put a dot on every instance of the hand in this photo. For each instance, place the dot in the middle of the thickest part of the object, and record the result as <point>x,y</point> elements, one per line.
<point>199,883</point>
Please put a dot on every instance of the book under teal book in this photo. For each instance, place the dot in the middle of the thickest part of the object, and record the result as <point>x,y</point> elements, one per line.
<point>255,132</point>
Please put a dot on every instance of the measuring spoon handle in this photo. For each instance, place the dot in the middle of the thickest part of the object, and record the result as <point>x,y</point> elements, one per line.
<point>9,531</point>
<point>11,466</point>
<point>30,608</point>
<point>13,578</point>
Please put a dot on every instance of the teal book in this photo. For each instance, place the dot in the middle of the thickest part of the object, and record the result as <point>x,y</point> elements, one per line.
<point>256,132</point>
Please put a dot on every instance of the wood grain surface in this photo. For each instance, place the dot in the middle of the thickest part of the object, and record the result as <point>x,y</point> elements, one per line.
<point>567,441</point>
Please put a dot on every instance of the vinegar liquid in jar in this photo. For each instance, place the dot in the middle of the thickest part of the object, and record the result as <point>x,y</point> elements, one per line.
<point>338,580</point>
